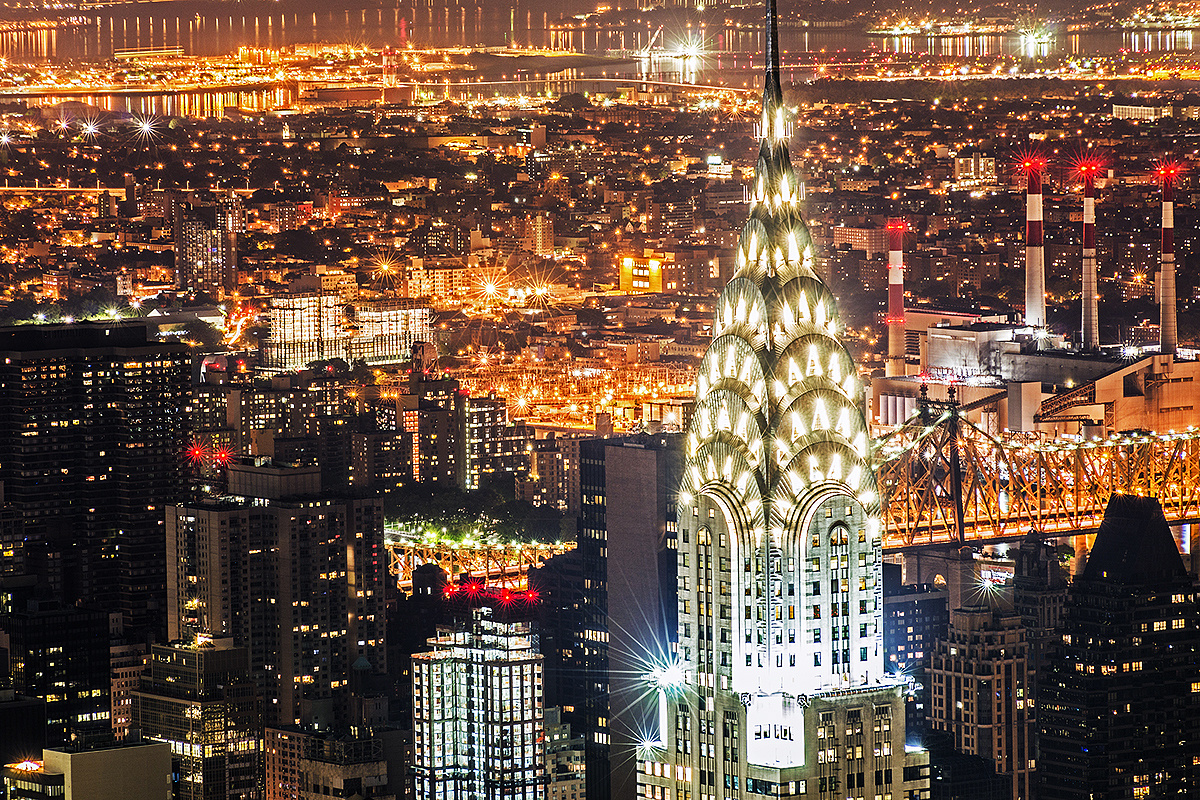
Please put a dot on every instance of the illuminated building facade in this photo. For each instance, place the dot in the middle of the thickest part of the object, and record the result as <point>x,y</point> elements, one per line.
<point>872,241</point>
<point>537,234</point>
<point>200,698</point>
<point>779,686</point>
<point>316,326</point>
<point>564,759</point>
<point>303,328</point>
<point>493,445</point>
<point>976,169</point>
<point>290,216</point>
<point>128,662</point>
<point>206,244</point>
<point>915,616</point>
<point>478,714</point>
<point>553,478</point>
<point>446,278</point>
<point>432,411</point>
<point>651,272</point>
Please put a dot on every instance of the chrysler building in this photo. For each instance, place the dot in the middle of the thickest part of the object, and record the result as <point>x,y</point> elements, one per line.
<point>778,687</point>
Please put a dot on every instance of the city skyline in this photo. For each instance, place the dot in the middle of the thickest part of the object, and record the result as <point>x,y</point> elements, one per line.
<point>542,403</point>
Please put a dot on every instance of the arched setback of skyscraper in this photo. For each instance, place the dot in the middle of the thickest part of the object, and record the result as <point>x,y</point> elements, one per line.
<point>779,687</point>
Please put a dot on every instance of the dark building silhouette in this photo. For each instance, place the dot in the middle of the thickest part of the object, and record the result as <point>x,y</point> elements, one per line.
<point>60,654</point>
<point>954,775</point>
<point>22,725</point>
<point>1039,595</point>
<point>627,607</point>
<point>560,584</point>
<point>91,439</point>
<point>1119,703</point>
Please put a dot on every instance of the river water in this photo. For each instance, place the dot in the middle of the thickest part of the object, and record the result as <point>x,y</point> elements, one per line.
<point>732,53</point>
<point>204,27</point>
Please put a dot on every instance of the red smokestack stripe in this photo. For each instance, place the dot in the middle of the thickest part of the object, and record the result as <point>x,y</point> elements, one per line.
<point>1168,229</point>
<point>1089,225</point>
<point>895,303</point>
<point>1033,233</point>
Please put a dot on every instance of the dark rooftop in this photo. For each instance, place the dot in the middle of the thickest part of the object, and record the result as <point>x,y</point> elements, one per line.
<point>1134,545</point>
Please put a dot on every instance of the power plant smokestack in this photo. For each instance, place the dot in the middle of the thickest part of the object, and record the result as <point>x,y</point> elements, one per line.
<point>1168,335</point>
<point>1035,251</point>
<point>895,313</point>
<point>1091,324</point>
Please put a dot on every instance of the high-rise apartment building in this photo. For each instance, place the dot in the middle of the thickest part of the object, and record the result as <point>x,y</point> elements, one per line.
<point>206,244</point>
<point>627,601</point>
<point>564,759</point>
<point>127,664</point>
<point>982,692</point>
<point>287,216</point>
<point>537,234</point>
<point>779,686</point>
<point>292,574</point>
<point>1119,703</point>
<point>915,617</point>
<point>432,410</point>
<point>92,433</point>
<point>200,699</point>
<point>478,714</point>
<point>1039,596</point>
<point>553,477</point>
<point>493,445</point>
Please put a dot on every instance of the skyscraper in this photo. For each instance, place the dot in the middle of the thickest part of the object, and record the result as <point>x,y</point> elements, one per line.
<point>294,575</point>
<point>478,714</point>
<point>981,692</point>
<point>915,616</point>
<point>91,442</point>
<point>1119,704</point>
<point>626,602</point>
<point>779,686</point>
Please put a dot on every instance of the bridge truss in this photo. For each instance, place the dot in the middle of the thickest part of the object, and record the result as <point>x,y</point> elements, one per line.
<point>502,563</point>
<point>944,481</point>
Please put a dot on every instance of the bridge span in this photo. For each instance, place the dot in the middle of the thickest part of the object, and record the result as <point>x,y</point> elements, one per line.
<point>945,482</point>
